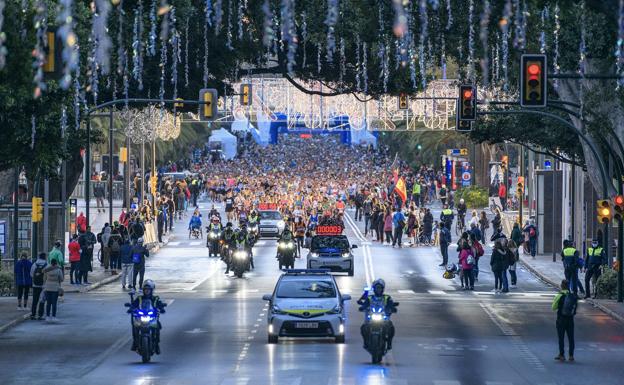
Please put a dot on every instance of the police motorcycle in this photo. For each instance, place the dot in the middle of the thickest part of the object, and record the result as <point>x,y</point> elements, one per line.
<point>213,240</point>
<point>377,322</point>
<point>252,225</point>
<point>241,259</point>
<point>286,253</point>
<point>144,319</point>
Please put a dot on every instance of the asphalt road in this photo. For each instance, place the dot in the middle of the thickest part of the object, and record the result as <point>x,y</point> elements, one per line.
<point>215,330</point>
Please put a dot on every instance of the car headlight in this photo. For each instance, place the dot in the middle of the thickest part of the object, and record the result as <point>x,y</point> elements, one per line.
<point>281,224</point>
<point>346,255</point>
<point>276,310</point>
<point>376,317</point>
<point>336,310</point>
<point>314,255</point>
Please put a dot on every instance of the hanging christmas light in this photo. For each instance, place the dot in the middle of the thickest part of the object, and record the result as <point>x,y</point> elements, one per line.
<point>228,32</point>
<point>582,62</point>
<point>400,19</point>
<point>483,34</point>
<point>218,16</point>
<point>330,22</point>
<point>543,17</point>
<point>365,66</point>
<point>449,19</point>
<point>41,25</point>
<point>104,44</point>
<point>619,51</point>
<point>68,37</point>
<point>343,61</point>
<point>208,11</point>
<point>163,10</point>
<point>137,46</point>
<point>421,46</point>
<point>267,29</point>
<point>206,24</point>
<point>289,34</point>
<point>318,58</point>
<point>241,16</point>
<point>504,26</point>
<point>556,45</point>
<point>77,93</point>
<point>151,40</point>
<point>163,64</point>
<point>186,55</point>
<point>304,37</point>
<point>3,49</point>
<point>358,85</point>
<point>175,52</point>
<point>471,66</point>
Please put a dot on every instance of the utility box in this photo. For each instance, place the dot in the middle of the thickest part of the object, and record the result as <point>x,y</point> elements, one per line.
<point>549,189</point>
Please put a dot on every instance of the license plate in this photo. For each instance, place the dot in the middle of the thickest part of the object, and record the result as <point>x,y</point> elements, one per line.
<point>306,325</point>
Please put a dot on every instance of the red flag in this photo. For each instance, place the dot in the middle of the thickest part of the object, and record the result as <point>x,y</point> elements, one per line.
<point>401,190</point>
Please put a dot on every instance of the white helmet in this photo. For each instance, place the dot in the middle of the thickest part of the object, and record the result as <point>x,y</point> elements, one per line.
<point>140,241</point>
<point>149,284</point>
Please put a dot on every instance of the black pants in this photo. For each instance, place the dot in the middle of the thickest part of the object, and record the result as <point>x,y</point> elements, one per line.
<point>36,297</point>
<point>115,260</point>
<point>51,301</point>
<point>388,236</point>
<point>444,252</point>
<point>84,276</point>
<point>571,274</point>
<point>398,234</point>
<point>140,271</point>
<point>498,279</point>
<point>358,213</point>
<point>594,270</point>
<point>366,224</point>
<point>74,272</point>
<point>565,325</point>
<point>160,233</point>
<point>22,293</point>
<point>514,277</point>
<point>468,278</point>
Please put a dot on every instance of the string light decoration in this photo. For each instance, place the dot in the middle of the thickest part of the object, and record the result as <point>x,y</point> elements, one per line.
<point>149,124</point>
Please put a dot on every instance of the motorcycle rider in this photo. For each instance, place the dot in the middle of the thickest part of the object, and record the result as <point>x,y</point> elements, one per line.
<point>242,241</point>
<point>148,294</point>
<point>215,224</point>
<point>378,297</point>
<point>228,236</point>
<point>254,217</point>
<point>214,212</point>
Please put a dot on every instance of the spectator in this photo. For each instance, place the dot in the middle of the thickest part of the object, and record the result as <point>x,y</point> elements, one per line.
<point>484,224</point>
<point>126,265</point>
<point>74,260</point>
<point>502,194</point>
<point>497,263</point>
<point>52,288</point>
<point>565,304</point>
<point>106,250</point>
<point>23,281</point>
<point>139,253</point>
<point>81,223</point>
<point>531,234</point>
<point>512,257</point>
<point>114,243</point>
<point>398,222</point>
<point>387,226</point>
<point>57,254</point>
<point>516,235</point>
<point>86,240</point>
<point>445,240</point>
<point>37,274</point>
<point>467,262</point>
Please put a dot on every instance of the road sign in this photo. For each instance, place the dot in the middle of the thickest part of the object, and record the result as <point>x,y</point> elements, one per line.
<point>466,174</point>
<point>463,151</point>
<point>454,152</point>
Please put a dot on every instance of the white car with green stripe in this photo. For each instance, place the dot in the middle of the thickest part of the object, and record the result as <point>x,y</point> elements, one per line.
<point>306,303</point>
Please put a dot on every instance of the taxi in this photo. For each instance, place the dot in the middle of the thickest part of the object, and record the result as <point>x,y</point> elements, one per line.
<point>306,303</point>
<point>330,249</point>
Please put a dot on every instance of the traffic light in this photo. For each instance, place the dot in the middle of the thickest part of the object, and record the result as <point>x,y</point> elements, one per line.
<point>533,80</point>
<point>467,102</point>
<point>245,94</point>
<point>153,184</point>
<point>462,125</point>
<point>179,104</point>
<point>53,54</point>
<point>604,211</point>
<point>37,209</point>
<point>403,101</point>
<point>618,206</point>
<point>505,162</point>
<point>208,110</point>
<point>520,187</point>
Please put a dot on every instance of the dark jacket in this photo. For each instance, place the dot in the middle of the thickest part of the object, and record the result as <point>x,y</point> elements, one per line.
<point>142,251</point>
<point>498,261</point>
<point>126,253</point>
<point>22,272</point>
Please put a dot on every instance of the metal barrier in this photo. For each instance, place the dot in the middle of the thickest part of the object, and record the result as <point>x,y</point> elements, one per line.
<point>118,189</point>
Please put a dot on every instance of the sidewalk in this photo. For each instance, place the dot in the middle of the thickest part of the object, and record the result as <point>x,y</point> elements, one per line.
<point>11,316</point>
<point>552,273</point>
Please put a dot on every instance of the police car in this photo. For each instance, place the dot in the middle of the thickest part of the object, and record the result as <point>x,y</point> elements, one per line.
<point>329,249</point>
<point>306,303</point>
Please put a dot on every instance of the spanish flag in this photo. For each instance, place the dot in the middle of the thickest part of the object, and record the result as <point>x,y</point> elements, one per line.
<point>400,190</point>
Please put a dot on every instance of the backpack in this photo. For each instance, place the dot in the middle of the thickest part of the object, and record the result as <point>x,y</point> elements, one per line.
<point>470,260</point>
<point>568,307</point>
<point>38,275</point>
<point>115,247</point>
<point>136,258</point>
<point>479,249</point>
<point>532,232</point>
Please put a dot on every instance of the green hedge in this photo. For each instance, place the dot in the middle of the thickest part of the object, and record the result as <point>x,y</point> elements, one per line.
<point>606,286</point>
<point>474,196</point>
<point>6,283</point>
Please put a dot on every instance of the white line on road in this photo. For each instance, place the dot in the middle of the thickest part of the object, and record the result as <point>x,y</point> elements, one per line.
<point>174,243</point>
<point>436,292</point>
<point>196,243</point>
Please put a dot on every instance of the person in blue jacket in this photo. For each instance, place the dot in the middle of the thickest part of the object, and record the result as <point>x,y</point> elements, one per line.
<point>23,281</point>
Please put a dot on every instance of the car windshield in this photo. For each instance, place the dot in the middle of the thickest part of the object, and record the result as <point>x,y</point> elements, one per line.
<point>270,215</point>
<point>306,288</point>
<point>334,242</point>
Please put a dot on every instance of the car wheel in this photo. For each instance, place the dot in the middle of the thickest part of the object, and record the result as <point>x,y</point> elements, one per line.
<point>340,339</point>
<point>272,339</point>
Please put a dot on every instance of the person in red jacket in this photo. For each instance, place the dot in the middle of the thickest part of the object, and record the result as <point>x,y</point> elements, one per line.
<point>81,223</point>
<point>74,260</point>
<point>502,194</point>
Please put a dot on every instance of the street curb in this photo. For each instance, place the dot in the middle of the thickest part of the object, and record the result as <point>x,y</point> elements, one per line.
<point>596,304</point>
<point>87,289</point>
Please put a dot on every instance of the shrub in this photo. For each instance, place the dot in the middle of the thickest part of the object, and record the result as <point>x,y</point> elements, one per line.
<point>6,283</point>
<point>474,196</point>
<point>606,286</point>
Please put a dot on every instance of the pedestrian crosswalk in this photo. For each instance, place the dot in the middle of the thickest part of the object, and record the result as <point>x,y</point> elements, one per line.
<point>478,294</point>
<point>368,378</point>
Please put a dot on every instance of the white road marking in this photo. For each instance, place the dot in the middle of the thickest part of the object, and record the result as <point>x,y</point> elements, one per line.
<point>444,382</point>
<point>196,243</point>
<point>260,243</point>
<point>406,291</point>
<point>437,292</point>
<point>174,243</point>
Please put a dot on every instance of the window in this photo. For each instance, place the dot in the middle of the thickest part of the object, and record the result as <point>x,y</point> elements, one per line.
<point>321,242</point>
<point>270,215</point>
<point>306,288</point>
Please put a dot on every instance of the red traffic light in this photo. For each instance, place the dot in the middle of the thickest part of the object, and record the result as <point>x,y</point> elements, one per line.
<point>534,69</point>
<point>619,200</point>
<point>467,94</point>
